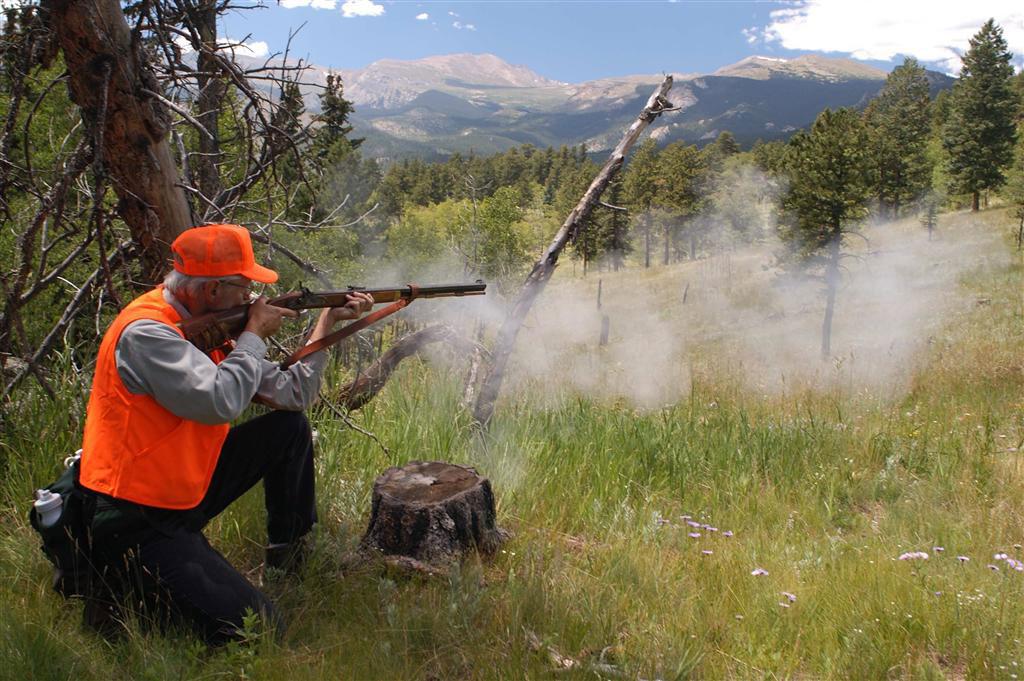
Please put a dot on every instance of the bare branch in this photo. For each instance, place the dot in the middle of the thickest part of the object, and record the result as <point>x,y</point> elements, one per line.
<point>180,111</point>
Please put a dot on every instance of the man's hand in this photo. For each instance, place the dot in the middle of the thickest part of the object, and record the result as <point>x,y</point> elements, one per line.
<point>357,304</point>
<point>264,319</point>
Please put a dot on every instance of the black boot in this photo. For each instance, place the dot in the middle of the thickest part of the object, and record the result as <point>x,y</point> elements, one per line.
<point>289,558</point>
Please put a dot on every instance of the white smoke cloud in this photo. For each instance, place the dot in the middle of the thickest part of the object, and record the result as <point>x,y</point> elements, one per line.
<point>422,16</point>
<point>735,315</point>
<point>934,33</point>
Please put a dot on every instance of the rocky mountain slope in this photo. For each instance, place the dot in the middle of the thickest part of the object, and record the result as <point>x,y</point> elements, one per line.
<point>463,103</point>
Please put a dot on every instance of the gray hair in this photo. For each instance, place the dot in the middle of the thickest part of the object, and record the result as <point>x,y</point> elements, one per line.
<point>179,283</point>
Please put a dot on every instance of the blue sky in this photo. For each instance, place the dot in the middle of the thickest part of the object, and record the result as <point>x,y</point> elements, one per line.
<point>580,40</point>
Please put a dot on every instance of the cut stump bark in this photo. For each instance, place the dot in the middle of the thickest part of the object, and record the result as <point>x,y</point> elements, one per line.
<point>432,512</point>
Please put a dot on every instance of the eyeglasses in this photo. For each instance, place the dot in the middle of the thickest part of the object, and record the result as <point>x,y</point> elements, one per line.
<point>253,289</point>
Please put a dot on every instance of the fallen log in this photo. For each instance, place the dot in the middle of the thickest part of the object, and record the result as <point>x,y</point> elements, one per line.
<point>545,267</point>
<point>433,513</point>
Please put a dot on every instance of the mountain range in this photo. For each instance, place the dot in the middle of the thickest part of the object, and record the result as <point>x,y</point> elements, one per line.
<point>462,103</point>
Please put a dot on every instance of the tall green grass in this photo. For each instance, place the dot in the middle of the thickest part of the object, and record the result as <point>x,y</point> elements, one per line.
<point>823,489</point>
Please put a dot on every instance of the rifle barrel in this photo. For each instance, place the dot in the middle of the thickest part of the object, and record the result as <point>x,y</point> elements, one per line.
<point>315,299</point>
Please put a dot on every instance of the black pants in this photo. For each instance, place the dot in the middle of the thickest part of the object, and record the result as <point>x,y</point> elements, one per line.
<point>159,559</point>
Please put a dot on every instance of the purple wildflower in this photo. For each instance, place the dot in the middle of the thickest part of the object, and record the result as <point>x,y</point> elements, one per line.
<point>1000,556</point>
<point>757,572</point>
<point>914,555</point>
<point>693,523</point>
<point>694,535</point>
<point>963,559</point>
<point>707,552</point>
<point>727,533</point>
<point>709,528</point>
<point>938,549</point>
<point>789,597</point>
<point>993,568</point>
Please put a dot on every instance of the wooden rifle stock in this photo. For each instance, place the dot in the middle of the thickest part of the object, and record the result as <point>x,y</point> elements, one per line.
<point>212,330</point>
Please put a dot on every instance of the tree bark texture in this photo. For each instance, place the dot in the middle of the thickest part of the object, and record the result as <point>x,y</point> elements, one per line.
<point>370,381</point>
<point>432,512</point>
<point>545,267</point>
<point>108,74</point>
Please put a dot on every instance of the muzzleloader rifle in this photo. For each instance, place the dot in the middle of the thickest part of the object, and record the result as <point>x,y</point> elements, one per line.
<point>212,330</point>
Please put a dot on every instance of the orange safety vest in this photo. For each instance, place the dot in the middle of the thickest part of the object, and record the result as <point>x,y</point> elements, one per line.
<point>135,449</point>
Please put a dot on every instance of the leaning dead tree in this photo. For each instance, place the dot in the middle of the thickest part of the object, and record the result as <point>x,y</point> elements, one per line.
<point>545,267</point>
<point>369,382</point>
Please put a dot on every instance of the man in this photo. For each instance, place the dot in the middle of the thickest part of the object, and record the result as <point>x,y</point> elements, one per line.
<point>162,459</point>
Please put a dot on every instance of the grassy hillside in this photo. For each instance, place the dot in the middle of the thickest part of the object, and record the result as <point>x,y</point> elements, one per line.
<point>709,407</point>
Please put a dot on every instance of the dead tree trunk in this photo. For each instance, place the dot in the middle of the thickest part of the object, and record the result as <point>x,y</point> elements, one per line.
<point>109,80</point>
<point>368,383</point>
<point>212,87</point>
<point>432,513</point>
<point>543,269</point>
<point>647,244</point>
<point>831,284</point>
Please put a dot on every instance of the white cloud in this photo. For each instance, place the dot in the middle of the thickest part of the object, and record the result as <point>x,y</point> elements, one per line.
<point>183,43</point>
<point>936,33</point>
<point>256,49</point>
<point>452,14</point>
<point>461,26</point>
<point>422,16</point>
<point>315,4</point>
<point>361,8</point>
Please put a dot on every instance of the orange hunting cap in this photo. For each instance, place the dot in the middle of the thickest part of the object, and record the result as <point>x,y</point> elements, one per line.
<point>218,251</point>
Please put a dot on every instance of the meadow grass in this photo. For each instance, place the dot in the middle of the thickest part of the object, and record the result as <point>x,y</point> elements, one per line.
<point>822,488</point>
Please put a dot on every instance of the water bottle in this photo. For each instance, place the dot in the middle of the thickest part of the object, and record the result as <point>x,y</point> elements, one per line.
<point>48,507</point>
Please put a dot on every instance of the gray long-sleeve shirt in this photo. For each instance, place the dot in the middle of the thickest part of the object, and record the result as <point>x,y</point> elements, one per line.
<point>152,359</point>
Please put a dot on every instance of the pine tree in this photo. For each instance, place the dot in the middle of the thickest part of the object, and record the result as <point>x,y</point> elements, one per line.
<point>898,123</point>
<point>724,146</point>
<point>286,141</point>
<point>639,189</point>
<point>1013,192</point>
<point>979,134</point>
<point>682,191</point>
<point>334,118</point>
<point>829,189</point>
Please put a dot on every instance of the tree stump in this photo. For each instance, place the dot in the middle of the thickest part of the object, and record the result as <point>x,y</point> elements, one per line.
<point>433,513</point>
